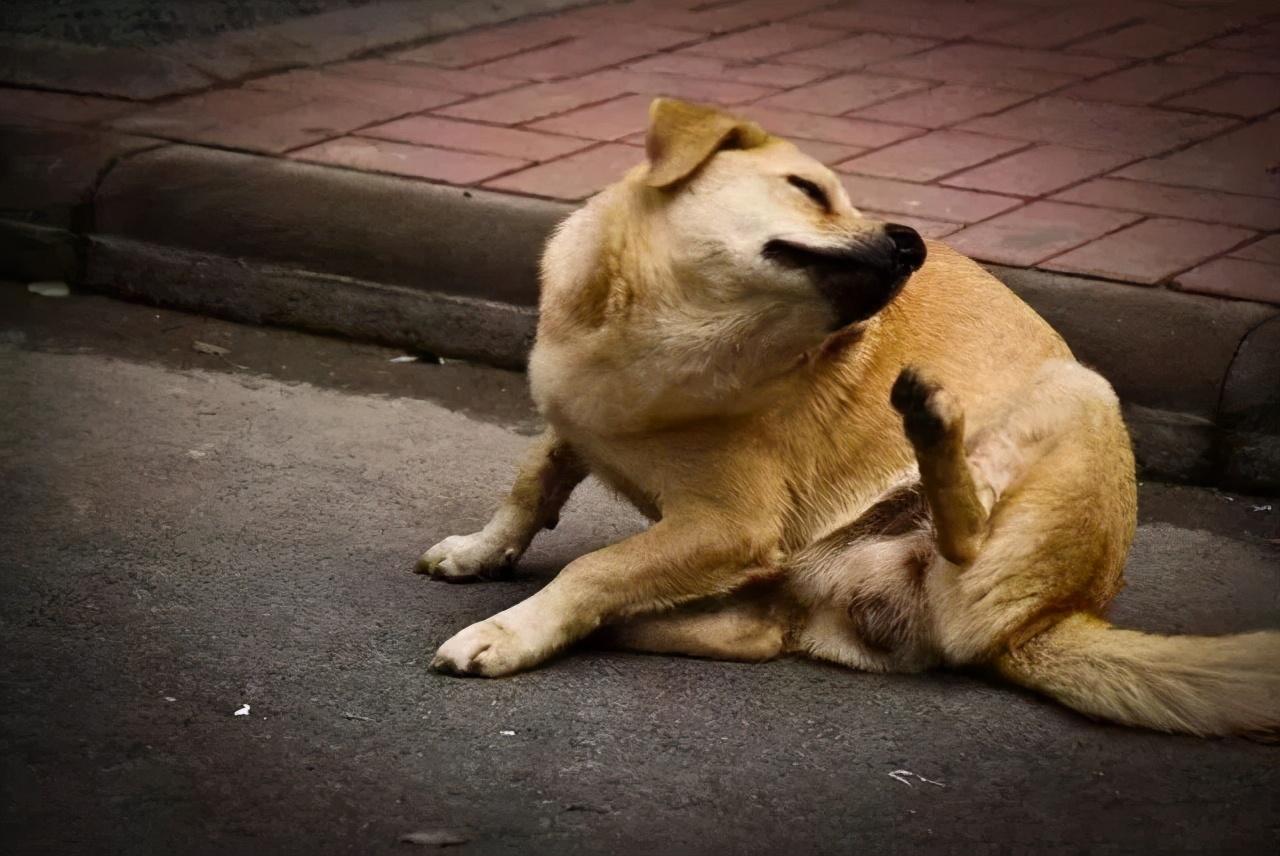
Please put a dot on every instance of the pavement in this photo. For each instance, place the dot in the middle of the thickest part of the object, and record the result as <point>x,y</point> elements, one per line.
<point>1131,141</point>
<point>189,532</point>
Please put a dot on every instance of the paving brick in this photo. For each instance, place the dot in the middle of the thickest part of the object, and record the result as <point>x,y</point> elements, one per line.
<point>1059,28</point>
<point>931,156</point>
<point>480,46</point>
<point>1033,233</point>
<point>1141,84</point>
<point>1038,170</point>
<point>942,106</point>
<point>828,153</point>
<point>766,41</point>
<point>741,71</point>
<point>940,20</point>
<point>576,176</point>
<point>857,51</point>
<point>568,59</point>
<point>18,105</point>
<point>831,129</point>
<point>1150,251</point>
<point>610,120</point>
<point>1098,125</point>
<point>923,225</point>
<point>635,33</point>
<point>418,75</point>
<point>474,137</point>
<point>1236,278</point>
<point>723,17</point>
<point>1240,62</point>
<point>997,66</point>
<point>1264,250</point>
<point>535,101</point>
<point>1263,40</point>
<point>307,84</point>
<point>678,86</point>
<point>1250,95</point>
<point>401,159</point>
<point>1141,41</point>
<point>1240,161</point>
<point>925,200</point>
<point>1210,206</point>
<point>844,93</point>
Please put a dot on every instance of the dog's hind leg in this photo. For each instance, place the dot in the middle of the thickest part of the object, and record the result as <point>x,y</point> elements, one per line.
<point>934,424</point>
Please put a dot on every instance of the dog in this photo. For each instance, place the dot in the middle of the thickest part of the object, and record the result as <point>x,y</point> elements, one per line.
<point>854,445</point>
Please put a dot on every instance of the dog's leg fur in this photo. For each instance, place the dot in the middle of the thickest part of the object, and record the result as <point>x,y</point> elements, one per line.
<point>934,424</point>
<point>748,626</point>
<point>547,476</point>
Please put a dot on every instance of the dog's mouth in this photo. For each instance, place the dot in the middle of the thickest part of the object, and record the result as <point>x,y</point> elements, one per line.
<point>857,280</point>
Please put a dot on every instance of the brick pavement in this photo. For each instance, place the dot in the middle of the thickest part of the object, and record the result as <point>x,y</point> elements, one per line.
<point>1135,141</point>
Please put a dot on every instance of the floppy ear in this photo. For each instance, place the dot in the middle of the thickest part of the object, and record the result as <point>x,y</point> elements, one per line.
<point>682,136</point>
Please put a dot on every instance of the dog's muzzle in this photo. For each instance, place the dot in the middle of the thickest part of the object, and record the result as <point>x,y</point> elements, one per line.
<point>860,279</point>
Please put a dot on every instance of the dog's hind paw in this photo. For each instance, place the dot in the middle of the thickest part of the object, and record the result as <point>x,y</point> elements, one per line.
<point>929,412</point>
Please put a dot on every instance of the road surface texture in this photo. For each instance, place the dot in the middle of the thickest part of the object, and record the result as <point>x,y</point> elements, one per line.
<point>187,533</point>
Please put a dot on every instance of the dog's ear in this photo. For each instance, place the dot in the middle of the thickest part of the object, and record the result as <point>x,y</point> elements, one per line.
<point>682,136</point>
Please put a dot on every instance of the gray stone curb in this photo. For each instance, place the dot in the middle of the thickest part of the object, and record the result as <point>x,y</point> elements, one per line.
<point>454,272</point>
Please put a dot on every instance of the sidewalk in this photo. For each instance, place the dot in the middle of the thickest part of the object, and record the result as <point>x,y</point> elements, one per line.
<point>1128,141</point>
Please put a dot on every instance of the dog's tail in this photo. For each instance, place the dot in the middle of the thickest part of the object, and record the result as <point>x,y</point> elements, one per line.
<point>1204,685</point>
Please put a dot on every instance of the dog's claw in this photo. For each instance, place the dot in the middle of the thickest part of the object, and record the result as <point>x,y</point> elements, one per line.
<point>929,413</point>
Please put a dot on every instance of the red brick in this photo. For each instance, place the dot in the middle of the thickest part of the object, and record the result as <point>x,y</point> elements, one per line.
<point>996,66</point>
<point>610,120</point>
<point>720,17</point>
<point>1251,95</point>
<point>1209,206</point>
<point>1150,251</point>
<point>831,129</point>
<point>1241,62</point>
<point>401,159</point>
<point>1038,171</point>
<point>418,75</point>
<point>29,104</point>
<point>931,156</point>
<point>517,106</point>
<point>307,84</point>
<point>1097,125</point>
<point>1264,40</point>
<point>943,106</point>
<point>1240,161</point>
<point>945,20</point>
<point>925,200</point>
<point>858,51</point>
<point>1035,232</point>
<point>1061,27</point>
<point>678,86</point>
<point>766,41</point>
<point>842,94</point>
<point>479,46</point>
<point>928,228</point>
<point>636,33</point>
<point>473,137</point>
<point>1140,41</point>
<point>1237,278</point>
<point>576,176</point>
<point>1142,84</point>
<point>1265,250</point>
<point>765,73</point>
<point>569,59</point>
<point>828,153</point>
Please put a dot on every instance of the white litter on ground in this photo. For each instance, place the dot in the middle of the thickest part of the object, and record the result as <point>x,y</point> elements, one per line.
<point>903,776</point>
<point>244,711</point>
<point>507,733</point>
<point>212,350</point>
<point>405,359</point>
<point>434,838</point>
<point>1261,507</point>
<point>50,288</point>
<point>169,698</point>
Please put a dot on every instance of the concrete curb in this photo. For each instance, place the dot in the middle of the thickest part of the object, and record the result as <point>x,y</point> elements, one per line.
<point>454,272</point>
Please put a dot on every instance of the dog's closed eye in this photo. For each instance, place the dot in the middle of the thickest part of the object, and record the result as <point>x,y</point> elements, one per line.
<point>811,190</point>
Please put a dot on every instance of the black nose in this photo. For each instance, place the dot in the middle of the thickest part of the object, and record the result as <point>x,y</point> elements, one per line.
<point>907,244</point>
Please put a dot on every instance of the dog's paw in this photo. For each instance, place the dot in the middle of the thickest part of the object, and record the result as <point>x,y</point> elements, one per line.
<point>468,557</point>
<point>929,413</point>
<point>487,649</point>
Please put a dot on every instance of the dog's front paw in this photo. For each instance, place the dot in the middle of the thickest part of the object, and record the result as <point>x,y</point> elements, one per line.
<point>464,557</point>
<point>929,413</point>
<point>487,649</point>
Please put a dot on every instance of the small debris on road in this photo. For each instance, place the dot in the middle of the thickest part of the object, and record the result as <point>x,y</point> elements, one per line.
<point>507,733</point>
<point>50,288</point>
<point>196,453</point>
<point>169,698</point>
<point>903,776</point>
<point>212,350</point>
<point>1261,507</point>
<point>404,359</point>
<point>244,711</point>
<point>434,838</point>
<point>357,716</point>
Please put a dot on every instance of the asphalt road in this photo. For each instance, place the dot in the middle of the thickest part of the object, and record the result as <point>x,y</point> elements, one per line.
<point>182,534</point>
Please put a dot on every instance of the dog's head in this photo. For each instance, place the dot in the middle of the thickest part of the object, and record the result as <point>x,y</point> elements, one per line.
<point>749,216</point>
